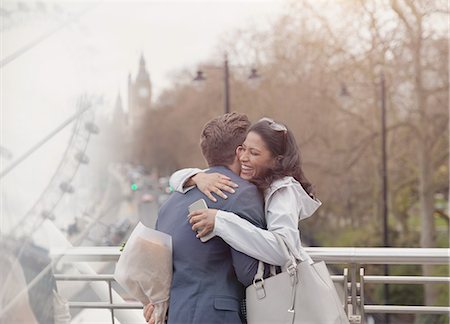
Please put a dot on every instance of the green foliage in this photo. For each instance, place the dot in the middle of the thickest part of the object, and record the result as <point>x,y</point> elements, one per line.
<point>432,319</point>
<point>402,294</point>
<point>442,239</point>
<point>443,290</point>
<point>362,236</point>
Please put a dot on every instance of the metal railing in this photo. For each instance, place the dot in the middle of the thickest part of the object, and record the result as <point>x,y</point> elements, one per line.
<point>354,285</point>
<point>353,281</point>
<point>108,278</point>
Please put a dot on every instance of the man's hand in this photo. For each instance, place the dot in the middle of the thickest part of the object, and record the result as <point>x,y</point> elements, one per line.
<point>203,221</point>
<point>148,312</point>
<point>213,182</point>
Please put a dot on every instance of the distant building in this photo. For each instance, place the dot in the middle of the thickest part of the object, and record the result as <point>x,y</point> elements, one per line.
<point>127,124</point>
<point>139,95</point>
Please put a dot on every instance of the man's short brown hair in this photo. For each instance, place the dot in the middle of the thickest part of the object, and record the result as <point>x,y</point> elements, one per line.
<point>221,136</point>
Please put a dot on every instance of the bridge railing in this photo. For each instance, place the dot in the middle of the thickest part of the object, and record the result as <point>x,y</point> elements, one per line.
<point>353,280</point>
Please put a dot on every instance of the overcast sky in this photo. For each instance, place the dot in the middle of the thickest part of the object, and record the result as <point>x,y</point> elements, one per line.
<point>94,55</point>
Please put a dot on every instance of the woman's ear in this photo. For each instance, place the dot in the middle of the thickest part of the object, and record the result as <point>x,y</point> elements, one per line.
<point>238,151</point>
<point>277,161</point>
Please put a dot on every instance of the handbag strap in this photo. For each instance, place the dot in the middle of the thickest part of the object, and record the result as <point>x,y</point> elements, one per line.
<point>288,252</point>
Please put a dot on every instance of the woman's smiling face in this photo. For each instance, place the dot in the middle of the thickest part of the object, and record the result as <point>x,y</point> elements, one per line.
<point>254,157</point>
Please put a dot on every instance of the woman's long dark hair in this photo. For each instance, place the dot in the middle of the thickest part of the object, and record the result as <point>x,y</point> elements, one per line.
<point>282,145</point>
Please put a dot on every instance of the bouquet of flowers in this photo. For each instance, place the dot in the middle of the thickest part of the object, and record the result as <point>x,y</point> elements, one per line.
<point>144,268</point>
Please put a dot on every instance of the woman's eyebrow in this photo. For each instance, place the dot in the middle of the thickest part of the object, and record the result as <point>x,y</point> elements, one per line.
<point>254,149</point>
<point>251,148</point>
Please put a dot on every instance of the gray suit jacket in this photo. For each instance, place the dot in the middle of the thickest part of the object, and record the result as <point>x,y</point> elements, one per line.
<point>209,279</point>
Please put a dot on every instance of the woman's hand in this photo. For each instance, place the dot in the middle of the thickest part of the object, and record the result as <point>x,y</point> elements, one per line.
<point>203,221</point>
<point>214,182</point>
<point>148,312</point>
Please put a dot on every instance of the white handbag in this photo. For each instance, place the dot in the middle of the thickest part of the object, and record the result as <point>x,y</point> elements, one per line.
<point>304,294</point>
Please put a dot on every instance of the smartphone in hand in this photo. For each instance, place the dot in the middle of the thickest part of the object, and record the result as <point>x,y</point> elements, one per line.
<point>198,205</point>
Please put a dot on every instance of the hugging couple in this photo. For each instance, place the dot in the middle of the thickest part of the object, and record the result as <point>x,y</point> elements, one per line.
<point>255,187</point>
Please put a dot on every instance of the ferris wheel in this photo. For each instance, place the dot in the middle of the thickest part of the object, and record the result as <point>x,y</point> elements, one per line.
<point>60,183</point>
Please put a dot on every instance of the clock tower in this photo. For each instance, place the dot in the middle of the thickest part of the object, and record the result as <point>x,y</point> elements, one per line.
<point>139,95</point>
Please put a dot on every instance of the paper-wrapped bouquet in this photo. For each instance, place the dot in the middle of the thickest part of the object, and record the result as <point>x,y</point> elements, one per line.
<point>144,268</point>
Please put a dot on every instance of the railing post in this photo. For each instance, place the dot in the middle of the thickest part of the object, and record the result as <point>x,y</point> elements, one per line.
<point>354,317</point>
<point>111,301</point>
<point>346,286</point>
<point>361,295</point>
<point>353,289</point>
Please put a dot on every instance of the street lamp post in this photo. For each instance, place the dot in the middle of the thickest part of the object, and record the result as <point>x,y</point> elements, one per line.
<point>346,93</point>
<point>226,80</point>
<point>384,162</point>
<point>384,176</point>
<point>385,184</point>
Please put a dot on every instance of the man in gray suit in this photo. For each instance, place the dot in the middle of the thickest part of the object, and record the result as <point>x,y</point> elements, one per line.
<point>209,279</point>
